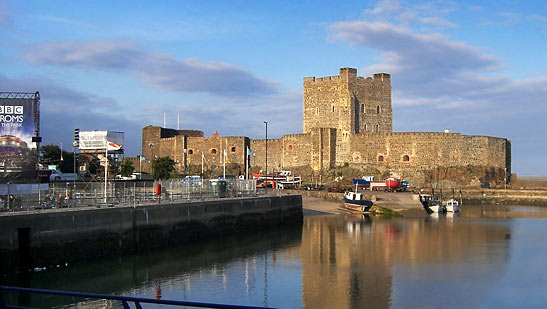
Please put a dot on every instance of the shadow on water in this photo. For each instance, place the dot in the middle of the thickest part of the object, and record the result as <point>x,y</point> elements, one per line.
<point>118,275</point>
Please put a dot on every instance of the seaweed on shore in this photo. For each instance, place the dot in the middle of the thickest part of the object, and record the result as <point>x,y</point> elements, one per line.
<point>384,212</point>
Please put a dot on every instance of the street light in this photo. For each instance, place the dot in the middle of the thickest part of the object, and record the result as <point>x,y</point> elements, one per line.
<point>140,166</point>
<point>266,123</point>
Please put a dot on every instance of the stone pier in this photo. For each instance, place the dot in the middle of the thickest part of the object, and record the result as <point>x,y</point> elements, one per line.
<point>46,238</point>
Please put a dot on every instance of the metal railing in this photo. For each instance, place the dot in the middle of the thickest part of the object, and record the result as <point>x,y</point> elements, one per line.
<point>125,300</point>
<point>122,193</point>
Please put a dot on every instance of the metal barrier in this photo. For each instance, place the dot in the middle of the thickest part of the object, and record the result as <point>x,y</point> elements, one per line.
<point>123,193</point>
<point>125,300</point>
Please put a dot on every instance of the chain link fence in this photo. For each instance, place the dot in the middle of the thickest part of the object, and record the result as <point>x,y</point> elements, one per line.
<point>21,197</point>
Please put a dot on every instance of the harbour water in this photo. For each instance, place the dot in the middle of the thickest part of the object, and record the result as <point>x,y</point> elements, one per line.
<point>487,256</point>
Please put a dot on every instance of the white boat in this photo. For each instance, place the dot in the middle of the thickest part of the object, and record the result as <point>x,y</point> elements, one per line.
<point>452,206</point>
<point>436,208</point>
<point>431,204</point>
<point>356,201</point>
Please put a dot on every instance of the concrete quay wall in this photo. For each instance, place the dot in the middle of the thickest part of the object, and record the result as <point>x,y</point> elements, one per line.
<point>505,197</point>
<point>42,239</point>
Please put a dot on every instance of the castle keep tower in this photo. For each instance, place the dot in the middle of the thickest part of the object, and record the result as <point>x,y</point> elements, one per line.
<point>349,103</point>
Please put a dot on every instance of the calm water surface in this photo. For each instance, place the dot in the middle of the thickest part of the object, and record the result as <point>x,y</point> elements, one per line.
<point>488,257</point>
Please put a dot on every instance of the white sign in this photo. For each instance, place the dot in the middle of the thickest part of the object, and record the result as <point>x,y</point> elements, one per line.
<point>98,140</point>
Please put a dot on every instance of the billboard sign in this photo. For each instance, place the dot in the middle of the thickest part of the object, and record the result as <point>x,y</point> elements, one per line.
<point>100,140</point>
<point>19,123</point>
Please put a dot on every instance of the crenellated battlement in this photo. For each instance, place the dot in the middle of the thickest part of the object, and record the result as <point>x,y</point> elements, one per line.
<point>314,79</point>
<point>348,74</point>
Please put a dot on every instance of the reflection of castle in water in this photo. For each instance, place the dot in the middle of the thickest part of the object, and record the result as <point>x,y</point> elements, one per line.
<point>357,263</point>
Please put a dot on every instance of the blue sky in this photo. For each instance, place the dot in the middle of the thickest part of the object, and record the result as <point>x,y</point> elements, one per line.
<point>478,68</point>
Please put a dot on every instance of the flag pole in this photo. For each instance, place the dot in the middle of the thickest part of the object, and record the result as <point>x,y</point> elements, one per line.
<point>247,161</point>
<point>106,172</point>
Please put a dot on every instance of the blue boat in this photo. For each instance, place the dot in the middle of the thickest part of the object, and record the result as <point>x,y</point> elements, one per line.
<point>361,182</point>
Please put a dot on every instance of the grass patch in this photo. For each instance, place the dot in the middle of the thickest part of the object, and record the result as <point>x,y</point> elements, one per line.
<point>384,212</point>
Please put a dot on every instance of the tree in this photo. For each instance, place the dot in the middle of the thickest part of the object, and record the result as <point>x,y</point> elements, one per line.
<point>127,168</point>
<point>51,155</point>
<point>162,167</point>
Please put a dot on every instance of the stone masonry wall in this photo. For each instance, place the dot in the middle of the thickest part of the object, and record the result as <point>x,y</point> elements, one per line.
<point>315,149</point>
<point>326,101</point>
<point>297,150</point>
<point>411,154</point>
<point>371,98</point>
<point>212,149</point>
<point>275,157</point>
<point>348,103</point>
<point>152,137</point>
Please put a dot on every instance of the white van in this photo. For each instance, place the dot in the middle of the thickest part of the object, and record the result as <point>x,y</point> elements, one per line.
<point>194,180</point>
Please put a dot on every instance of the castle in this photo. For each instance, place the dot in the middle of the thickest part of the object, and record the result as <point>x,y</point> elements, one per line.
<point>347,121</point>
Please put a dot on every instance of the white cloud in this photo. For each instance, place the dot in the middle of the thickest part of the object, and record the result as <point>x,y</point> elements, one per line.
<point>5,15</point>
<point>540,18</point>
<point>430,14</point>
<point>417,55</point>
<point>63,109</point>
<point>438,82</point>
<point>159,70</point>
<point>437,21</point>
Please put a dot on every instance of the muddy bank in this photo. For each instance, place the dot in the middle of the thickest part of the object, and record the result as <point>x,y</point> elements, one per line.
<point>323,202</point>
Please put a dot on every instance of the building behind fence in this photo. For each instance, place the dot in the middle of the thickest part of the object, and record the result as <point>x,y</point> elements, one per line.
<point>120,193</point>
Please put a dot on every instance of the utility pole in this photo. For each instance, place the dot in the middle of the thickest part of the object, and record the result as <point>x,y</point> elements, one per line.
<point>266,123</point>
<point>75,144</point>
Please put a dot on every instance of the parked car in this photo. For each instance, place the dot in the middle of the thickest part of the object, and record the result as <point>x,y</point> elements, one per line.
<point>131,177</point>
<point>193,180</point>
<point>57,175</point>
<point>260,183</point>
<point>228,177</point>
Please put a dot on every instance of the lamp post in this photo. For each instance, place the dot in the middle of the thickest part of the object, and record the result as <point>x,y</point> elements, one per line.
<point>151,159</point>
<point>140,166</point>
<point>266,123</point>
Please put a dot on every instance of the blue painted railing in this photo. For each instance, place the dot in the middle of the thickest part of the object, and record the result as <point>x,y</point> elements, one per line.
<point>125,300</point>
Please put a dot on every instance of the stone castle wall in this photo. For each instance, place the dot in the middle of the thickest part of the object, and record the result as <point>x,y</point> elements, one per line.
<point>401,150</point>
<point>275,158</point>
<point>212,149</point>
<point>161,142</point>
<point>349,103</point>
<point>186,146</point>
<point>326,103</point>
<point>371,98</point>
<point>315,149</point>
<point>347,120</point>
